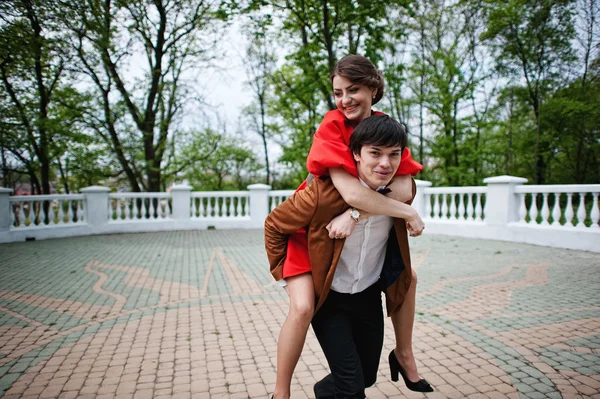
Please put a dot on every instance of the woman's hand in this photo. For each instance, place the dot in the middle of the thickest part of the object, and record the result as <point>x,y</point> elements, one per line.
<point>341,226</point>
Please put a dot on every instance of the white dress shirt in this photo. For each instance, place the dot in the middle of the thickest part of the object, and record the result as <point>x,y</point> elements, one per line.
<point>363,255</point>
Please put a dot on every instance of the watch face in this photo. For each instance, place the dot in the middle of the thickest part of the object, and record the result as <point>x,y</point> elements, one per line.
<point>355,214</point>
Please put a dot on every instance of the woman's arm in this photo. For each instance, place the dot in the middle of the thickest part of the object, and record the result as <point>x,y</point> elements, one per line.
<point>365,199</point>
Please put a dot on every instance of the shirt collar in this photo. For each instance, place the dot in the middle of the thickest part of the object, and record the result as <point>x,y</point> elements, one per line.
<point>366,185</point>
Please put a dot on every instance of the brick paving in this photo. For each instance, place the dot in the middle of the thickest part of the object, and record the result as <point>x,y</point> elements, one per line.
<point>196,315</point>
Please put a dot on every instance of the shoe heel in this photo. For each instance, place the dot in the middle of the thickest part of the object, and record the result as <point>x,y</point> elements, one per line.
<point>394,374</point>
<point>393,368</point>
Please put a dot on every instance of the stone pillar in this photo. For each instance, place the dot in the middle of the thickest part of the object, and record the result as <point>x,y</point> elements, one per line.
<point>259,204</point>
<point>5,209</point>
<point>501,202</point>
<point>419,200</point>
<point>96,198</point>
<point>181,194</point>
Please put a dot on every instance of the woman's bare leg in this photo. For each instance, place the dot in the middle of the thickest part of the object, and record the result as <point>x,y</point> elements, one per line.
<point>293,332</point>
<point>403,321</point>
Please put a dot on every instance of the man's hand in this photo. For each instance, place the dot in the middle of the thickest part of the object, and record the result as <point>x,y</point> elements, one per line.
<point>415,225</point>
<point>341,226</point>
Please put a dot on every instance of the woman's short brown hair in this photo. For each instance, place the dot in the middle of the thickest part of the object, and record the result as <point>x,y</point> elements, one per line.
<point>360,70</point>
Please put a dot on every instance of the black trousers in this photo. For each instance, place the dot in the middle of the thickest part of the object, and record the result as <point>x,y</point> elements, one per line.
<point>349,328</point>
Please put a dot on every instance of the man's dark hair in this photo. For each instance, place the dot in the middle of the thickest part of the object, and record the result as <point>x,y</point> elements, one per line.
<point>380,131</point>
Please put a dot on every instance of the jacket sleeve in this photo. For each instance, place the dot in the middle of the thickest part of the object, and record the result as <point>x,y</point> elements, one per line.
<point>291,215</point>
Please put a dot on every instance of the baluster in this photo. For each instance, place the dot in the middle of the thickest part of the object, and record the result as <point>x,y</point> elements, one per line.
<point>427,206</point>
<point>42,214</point>
<point>239,207</point>
<point>61,212</point>
<point>193,207</point>
<point>153,208</point>
<point>569,210</point>
<point>595,214</point>
<point>533,210</point>
<point>444,206</point>
<point>556,210</point>
<point>470,207</point>
<point>453,209</point>
<point>581,212</point>
<point>461,207</point>
<point>522,208</point>
<point>201,208</point>
<point>145,203</point>
<point>70,212</point>
<point>22,214</point>
<point>80,211</point>
<point>118,208</point>
<point>217,207</point>
<point>209,207</point>
<point>436,206</point>
<point>230,205</point>
<point>135,207</point>
<point>478,208</point>
<point>13,216</point>
<point>545,209</point>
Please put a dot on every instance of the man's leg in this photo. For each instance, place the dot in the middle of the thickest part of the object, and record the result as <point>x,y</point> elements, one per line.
<point>333,327</point>
<point>368,331</point>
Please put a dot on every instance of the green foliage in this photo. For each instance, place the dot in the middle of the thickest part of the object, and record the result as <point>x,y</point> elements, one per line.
<point>219,163</point>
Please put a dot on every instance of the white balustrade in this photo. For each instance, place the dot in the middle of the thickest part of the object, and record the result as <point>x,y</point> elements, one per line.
<point>565,216</point>
<point>276,197</point>
<point>126,207</point>
<point>454,203</point>
<point>559,205</point>
<point>220,205</point>
<point>44,211</point>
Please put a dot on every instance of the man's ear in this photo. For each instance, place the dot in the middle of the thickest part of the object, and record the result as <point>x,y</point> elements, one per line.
<point>356,156</point>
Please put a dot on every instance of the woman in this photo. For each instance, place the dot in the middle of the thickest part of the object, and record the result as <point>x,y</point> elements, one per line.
<point>357,85</point>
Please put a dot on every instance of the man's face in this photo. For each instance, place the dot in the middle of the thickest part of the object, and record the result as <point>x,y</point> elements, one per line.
<point>377,165</point>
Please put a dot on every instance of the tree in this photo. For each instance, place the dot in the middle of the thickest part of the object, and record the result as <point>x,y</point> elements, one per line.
<point>167,40</point>
<point>260,65</point>
<point>533,41</point>
<point>32,70</point>
<point>317,34</point>
<point>226,164</point>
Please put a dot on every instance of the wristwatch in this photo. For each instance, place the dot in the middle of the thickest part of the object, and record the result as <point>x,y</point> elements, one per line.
<point>354,214</point>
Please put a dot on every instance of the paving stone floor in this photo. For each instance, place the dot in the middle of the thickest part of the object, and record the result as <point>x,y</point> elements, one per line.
<point>196,314</point>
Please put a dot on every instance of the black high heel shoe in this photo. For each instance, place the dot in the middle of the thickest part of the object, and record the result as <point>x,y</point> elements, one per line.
<point>420,386</point>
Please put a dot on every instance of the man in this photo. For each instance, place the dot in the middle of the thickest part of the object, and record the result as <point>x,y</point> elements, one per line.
<point>348,275</point>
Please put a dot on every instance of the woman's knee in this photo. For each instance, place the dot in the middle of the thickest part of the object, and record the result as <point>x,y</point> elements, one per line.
<point>302,310</point>
<point>413,277</point>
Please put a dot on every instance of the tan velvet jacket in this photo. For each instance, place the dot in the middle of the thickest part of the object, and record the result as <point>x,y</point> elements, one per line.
<point>313,208</point>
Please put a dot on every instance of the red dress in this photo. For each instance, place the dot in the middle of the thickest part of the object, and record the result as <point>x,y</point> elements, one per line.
<point>330,149</point>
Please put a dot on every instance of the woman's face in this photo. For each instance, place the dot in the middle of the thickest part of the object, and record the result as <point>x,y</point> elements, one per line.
<point>353,100</point>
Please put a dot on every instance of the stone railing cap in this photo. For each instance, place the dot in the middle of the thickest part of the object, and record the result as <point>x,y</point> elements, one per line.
<point>423,183</point>
<point>5,190</point>
<point>259,186</point>
<point>95,189</point>
<point>504,180</point>
<point>181,187</point>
